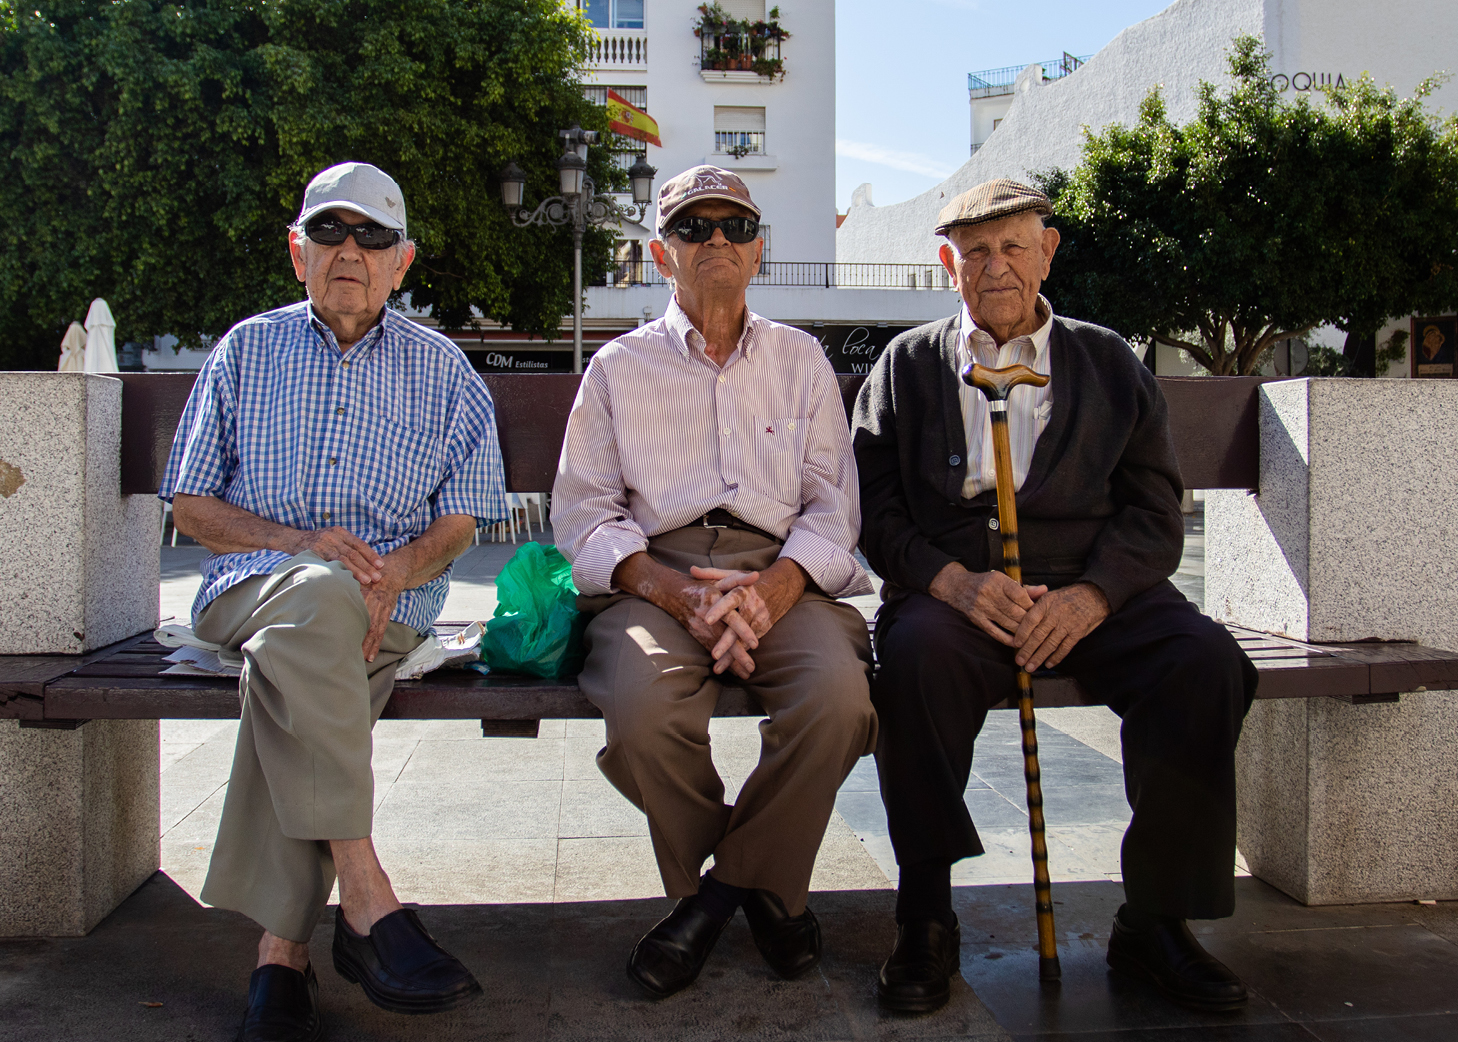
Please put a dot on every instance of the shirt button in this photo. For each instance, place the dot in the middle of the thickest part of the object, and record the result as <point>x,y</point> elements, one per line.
<point>339,411</point>
<point>327,515</point>
<point>992,523</point>
<point>333,461</point>
<point>721,378</point>
<point>954,460</point>
<point>726,430</point>
<point>345,363</point>
<point>792,426</point>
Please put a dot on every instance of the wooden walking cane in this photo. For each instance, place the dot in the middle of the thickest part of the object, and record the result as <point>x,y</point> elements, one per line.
<point>996,385</point>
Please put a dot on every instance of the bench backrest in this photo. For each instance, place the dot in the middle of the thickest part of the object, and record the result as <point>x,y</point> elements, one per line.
<point>1213,420</point>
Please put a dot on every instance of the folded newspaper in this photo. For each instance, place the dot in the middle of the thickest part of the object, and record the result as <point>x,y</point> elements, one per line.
<point>199,658</point>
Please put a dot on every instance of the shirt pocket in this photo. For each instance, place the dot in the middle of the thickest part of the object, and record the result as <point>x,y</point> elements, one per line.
<point>779,455</point>
<point>399,468</point>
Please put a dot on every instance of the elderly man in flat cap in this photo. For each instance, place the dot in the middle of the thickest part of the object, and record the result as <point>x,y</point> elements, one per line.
<point>335,457</point>
<point>1100,533</point>
<point>706,497</point>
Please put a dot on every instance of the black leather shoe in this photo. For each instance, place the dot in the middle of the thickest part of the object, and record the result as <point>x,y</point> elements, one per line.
<point>1168,956</point>
<point>790,944</point>
<point>670,956</point>
<point>283,1006</point>
<point>399,965</point>
<point>918,976</point>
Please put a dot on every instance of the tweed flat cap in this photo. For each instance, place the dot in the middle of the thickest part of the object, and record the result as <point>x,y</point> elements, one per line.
<point>992,201</point>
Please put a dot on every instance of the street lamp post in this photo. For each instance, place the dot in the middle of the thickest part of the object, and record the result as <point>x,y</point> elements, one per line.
<point>579,205</point>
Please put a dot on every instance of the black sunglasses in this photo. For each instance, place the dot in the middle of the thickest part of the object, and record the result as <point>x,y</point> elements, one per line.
<point>331,231</point>
<point>737,230</point>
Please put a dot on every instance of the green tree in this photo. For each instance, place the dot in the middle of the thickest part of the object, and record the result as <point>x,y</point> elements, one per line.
<point>1261,218</point>
<point>153,154</point>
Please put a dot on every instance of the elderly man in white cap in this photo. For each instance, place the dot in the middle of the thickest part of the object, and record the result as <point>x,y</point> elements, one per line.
<point>706,497</point>
<point>335,458</point>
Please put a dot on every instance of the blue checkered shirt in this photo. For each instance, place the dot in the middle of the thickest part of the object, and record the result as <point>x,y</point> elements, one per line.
<point>381,440</point>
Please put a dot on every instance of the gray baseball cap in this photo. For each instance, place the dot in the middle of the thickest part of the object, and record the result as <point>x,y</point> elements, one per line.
<point>365,189</point>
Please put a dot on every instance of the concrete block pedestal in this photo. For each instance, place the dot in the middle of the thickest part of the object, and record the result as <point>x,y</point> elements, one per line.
<point>80,568</point>
<point>1349,539</point>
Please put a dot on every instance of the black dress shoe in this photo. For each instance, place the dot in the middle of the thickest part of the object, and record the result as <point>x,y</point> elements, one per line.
<point>790,944</point>
<point>283,1006</point>
<point>670,956</point>
<point>399,965</point>
<point>1168,956</point>
<point>918,976</point>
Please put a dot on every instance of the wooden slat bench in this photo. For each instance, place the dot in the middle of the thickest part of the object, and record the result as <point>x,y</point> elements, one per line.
<point>1214,422</point>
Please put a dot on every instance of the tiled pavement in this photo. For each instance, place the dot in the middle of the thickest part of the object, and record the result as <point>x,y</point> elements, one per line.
<point>541,876</point>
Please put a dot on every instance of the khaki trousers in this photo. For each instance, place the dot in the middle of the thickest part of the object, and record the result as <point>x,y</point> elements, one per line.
<point>301,769</point>
<point>657,691</point>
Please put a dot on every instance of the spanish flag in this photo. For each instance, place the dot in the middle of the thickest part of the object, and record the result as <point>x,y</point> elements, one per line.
<point>631,122</point>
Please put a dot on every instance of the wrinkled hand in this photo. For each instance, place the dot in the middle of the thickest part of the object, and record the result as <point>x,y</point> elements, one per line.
<point>380,598</point>
<point>342,545</point>
<point>993,602</point>
<point>742,608</point>
<point>1058,621</point>
<point>696,600</point>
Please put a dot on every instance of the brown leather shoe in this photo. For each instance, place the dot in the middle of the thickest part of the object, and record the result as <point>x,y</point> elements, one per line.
<point>790,944</point>
<point>1168,956</point>
<point>918,976</point>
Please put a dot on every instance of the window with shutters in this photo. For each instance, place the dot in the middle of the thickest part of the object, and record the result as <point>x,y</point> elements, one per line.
<point>739,130</point>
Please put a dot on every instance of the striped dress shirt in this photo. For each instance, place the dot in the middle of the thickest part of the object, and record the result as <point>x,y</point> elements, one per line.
<point>381,439</point>
<point>1028,407</point>
<point>659,435</point>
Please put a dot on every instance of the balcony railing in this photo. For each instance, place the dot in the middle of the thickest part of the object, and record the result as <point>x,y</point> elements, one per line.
<point>729,52</point>
<point>990,83</point>
<point>619,49</point>
<point>739,142</point>
<point>805,274</point>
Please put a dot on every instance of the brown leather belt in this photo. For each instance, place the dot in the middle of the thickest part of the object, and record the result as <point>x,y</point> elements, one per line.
<point>721,518</point>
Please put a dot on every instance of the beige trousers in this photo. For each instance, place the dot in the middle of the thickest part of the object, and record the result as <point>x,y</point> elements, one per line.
<point>301,769</point>
<point>657,691</point>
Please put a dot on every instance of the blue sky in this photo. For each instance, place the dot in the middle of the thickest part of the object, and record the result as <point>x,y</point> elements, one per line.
<point>901,77</point>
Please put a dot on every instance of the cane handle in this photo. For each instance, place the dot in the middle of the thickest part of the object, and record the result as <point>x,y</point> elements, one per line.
<point>997,384</point>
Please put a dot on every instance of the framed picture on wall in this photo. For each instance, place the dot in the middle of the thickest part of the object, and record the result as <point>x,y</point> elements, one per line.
<point>1433,343</point>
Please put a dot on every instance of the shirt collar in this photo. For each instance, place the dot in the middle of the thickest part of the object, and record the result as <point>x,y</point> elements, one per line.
<point>1040,336</point>
<point>370,339</point>
<point>685,334</point>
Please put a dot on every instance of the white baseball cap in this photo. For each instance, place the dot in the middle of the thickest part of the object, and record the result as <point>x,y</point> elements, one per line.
<point>365,189</point>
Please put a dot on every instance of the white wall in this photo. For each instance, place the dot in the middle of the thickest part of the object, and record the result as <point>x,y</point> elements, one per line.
<point>798,194</point>
<point>793,304</point>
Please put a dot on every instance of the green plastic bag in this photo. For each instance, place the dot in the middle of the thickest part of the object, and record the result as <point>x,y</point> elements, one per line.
<point>537,629</point>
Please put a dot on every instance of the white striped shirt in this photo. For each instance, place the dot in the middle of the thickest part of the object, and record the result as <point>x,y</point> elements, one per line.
<point>659,436</point>
<point>1028,407</point>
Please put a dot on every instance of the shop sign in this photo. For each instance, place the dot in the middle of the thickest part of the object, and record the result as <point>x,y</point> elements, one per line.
<point>854,349</point>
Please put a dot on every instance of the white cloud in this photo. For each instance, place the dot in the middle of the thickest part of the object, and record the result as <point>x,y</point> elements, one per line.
<point>911,162</point>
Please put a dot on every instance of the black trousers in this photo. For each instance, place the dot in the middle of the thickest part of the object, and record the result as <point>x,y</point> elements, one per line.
<point>1178,680</point>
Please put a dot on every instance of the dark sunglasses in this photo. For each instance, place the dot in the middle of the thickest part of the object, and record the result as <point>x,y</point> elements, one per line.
<point>737,230</point>
<point>330,231</point>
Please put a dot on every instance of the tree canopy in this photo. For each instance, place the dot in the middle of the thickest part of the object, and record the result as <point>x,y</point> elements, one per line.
<point>1261,218</point>
<point>154,153</point>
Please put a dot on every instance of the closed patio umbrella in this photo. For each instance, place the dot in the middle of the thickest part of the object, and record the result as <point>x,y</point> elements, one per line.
<point>100,339</point>
<point>73,350</point>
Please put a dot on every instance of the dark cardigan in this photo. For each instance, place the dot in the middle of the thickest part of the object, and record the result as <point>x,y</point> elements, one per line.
<point>1101,503</point>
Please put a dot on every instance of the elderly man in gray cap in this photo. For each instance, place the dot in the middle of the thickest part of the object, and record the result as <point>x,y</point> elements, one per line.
<point>706,497</point>
<point>335,457</point>
<point>1100,532</point>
